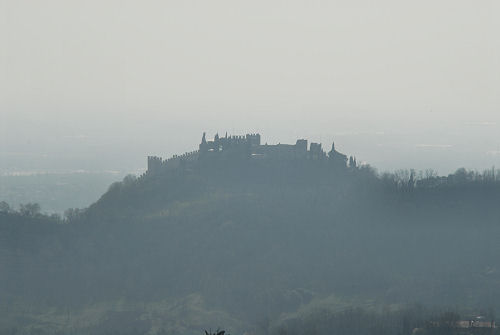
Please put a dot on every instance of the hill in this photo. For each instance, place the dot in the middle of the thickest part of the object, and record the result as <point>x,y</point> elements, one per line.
<point>256,240</point>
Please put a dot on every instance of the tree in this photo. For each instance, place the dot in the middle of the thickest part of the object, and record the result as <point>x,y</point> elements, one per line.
<point>71,214</point>
<point>30,209</point>
<point>4,207</point>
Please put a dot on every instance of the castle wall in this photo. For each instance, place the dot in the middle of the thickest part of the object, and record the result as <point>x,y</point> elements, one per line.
<point>243,146</point>
<point>156,165</point>
<point>277,151</point>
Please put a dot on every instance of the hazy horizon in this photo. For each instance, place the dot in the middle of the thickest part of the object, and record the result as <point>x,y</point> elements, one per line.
<point>98,86</point>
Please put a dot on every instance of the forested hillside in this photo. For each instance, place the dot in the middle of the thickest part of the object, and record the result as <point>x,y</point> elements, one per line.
<point>254,245</point>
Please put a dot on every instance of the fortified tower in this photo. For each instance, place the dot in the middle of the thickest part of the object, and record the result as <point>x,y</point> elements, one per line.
<point>154,164</point>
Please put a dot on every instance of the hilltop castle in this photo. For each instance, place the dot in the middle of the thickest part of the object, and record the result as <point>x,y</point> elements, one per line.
<point>248,146</point>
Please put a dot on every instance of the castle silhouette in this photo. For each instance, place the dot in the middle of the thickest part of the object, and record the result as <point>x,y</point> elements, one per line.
<point>248,146</point>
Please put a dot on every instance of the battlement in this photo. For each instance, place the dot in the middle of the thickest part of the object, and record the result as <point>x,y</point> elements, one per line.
<point>253,139</point>
<point>245,146</point>
<point>154,164</point>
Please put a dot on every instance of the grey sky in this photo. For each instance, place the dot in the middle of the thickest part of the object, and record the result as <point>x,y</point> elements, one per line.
<point>101,84</point>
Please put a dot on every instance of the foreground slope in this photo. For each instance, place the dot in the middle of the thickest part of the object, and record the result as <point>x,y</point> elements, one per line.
<point>257,239</point>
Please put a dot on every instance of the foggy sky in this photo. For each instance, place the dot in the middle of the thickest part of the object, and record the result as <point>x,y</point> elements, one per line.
<point>99,85</point>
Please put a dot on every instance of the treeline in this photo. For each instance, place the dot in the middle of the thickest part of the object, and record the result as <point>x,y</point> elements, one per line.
<point>33,210</point>
<point>374,320</point>
<point>408,320</point>
<point>405,180</point>
<point>408,179</point>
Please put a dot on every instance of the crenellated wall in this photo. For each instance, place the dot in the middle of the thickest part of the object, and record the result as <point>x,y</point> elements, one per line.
<point>248,146</point>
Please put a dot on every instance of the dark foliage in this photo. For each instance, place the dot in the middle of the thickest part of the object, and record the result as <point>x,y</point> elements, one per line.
<point>262,238</point>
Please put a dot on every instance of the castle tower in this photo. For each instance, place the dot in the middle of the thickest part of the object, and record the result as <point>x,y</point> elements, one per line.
<point>338,159</point>
<point>154,164</point>
<point>203,145</point>
<point>315,151</point>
